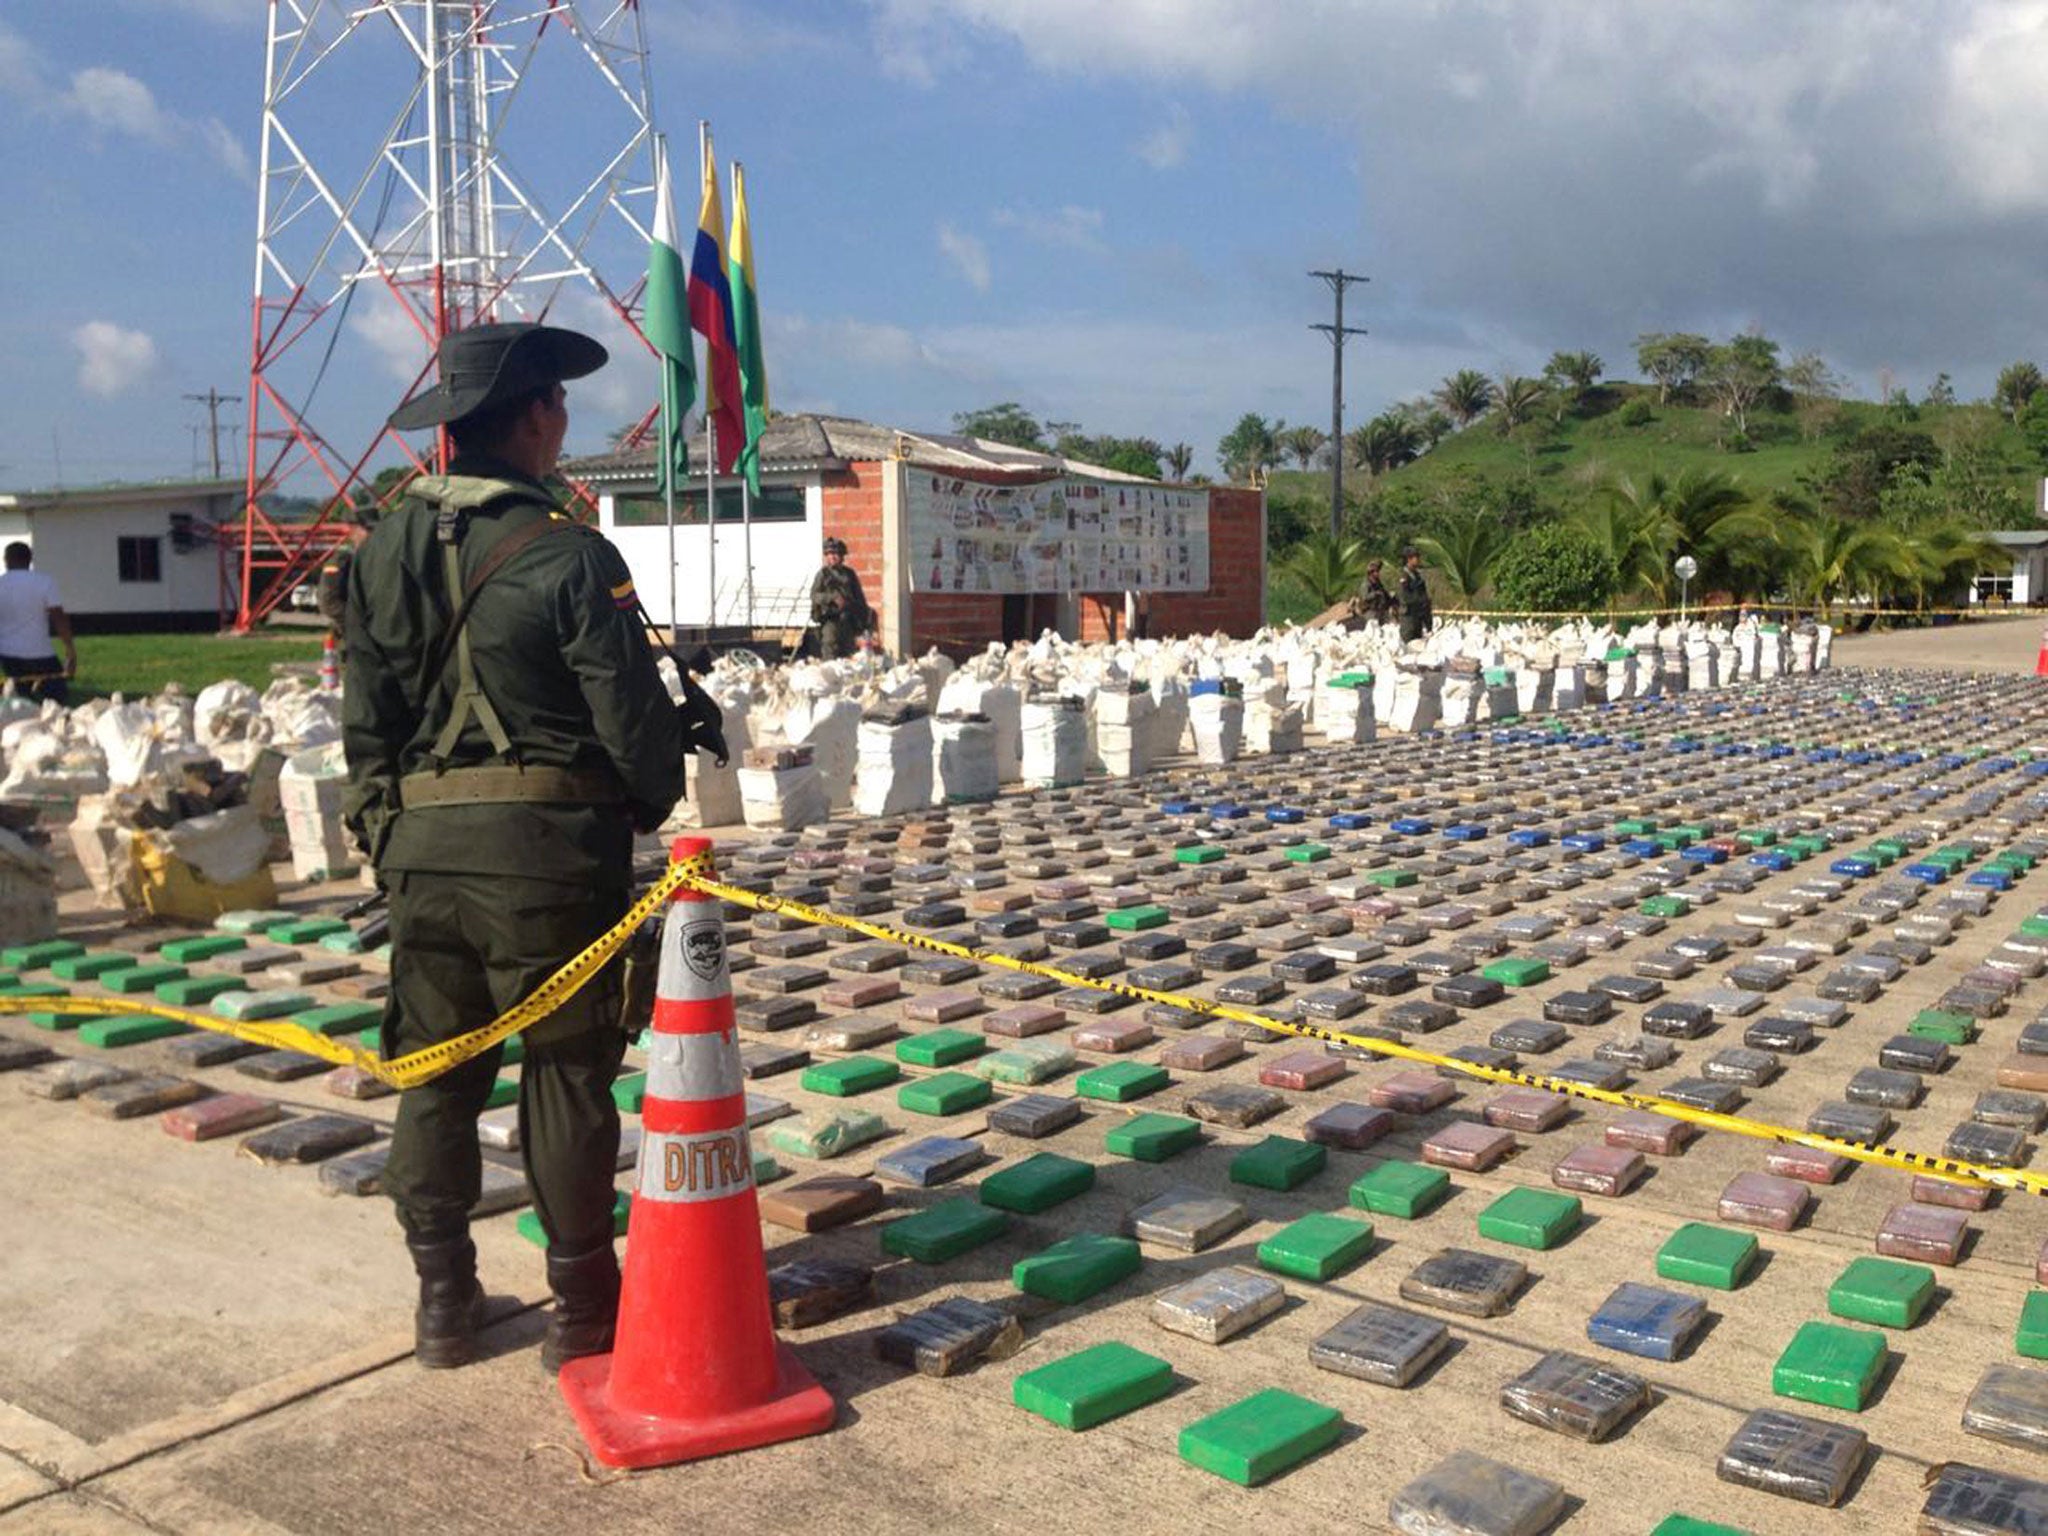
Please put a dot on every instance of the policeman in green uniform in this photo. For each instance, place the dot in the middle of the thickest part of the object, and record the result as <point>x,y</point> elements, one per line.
<point>1417,612</point>
<point>838,606</point>
<point>507,734</point>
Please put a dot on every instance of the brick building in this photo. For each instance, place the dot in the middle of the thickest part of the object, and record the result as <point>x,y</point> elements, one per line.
<point>826,476</point>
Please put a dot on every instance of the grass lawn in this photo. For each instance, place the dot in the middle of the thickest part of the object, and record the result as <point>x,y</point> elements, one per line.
<point>136,665</point>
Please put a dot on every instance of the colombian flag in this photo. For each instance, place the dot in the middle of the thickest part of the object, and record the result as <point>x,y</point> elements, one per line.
<point>711,318</point>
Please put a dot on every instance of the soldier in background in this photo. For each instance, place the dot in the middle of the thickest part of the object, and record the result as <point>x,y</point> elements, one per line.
<point>839,609</point>
<point>1417,612</point>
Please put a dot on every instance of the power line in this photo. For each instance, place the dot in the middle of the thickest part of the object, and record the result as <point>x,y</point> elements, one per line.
<point>1338,281</point>
<point>213,400</point>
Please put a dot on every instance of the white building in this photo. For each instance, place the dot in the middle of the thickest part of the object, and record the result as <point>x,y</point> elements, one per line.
<point>2027,583</point>
<point>133,557</point>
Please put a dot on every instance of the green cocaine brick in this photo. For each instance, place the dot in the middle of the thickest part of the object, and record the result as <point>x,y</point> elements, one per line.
<point>827,1135</point>
<point>1392,879</point>
<point>197,991</point>
<point>1532,1218</point>
<point>1135,919</point>
<point>504,1090</point>
<point>940,1048</point>
<point>1709,1256</point>
<point>31,957</point>
<point>1039,1183</point>
<point>943,1231</point>
<point>1882,1291</point>
<point>1402,1189</point>
<point>1317,1246</point>
<point>1938,1024</point>
<point>1278,1162</point>
<point>1026,1063</point>
<point>630,1092</point>
<point>852,1075</point>
<point>943,1093</point>
<point>304,930</point>
<point>93,964</point>
<point>1828,1364</point>
<point>529,1227</point>
<point>1665,906</point>
<point>1260,1436</point>
<point>1685,1525</point>
<point>341,1018</point>
<point>1206,853</point>
<point>129,1029</point>
<point>2032,1338</point>
<point>1077,1267</point>
<point>141,978</point>
<point>1119,1082</point>
<point>1092,1386</point>
<point>1517,973</point>
<point>1152,1138</point>
<point>202,947</point>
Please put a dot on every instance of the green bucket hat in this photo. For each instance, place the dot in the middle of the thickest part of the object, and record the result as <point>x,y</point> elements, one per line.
<point>485,364</point>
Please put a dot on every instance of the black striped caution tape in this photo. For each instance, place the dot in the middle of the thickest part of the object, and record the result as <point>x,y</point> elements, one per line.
<point>1863,1152</point>
<point>416,1067</point>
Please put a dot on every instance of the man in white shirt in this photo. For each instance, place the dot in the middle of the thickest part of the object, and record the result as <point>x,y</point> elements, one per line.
<point>30,613</point>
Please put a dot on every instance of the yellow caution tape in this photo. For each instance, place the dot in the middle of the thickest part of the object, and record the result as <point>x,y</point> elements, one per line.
<point>1764,611</point>
<point>416,1067</point>
<point>1863,1152</point>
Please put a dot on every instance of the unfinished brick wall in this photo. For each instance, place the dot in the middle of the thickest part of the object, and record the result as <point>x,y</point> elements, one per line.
<point>853,511</point>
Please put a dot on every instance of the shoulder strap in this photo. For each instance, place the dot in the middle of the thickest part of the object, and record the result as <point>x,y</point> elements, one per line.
<point>470,698</point>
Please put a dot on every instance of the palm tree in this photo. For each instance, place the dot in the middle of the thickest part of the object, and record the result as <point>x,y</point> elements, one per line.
<point>1631,535</point>
<point>1179,459</point>
<point>1464,548</point>
<point>1465,396</point>
<point>1303,444</point>
<point>1431,425</point>
<point>1386,442</point>
<point>1828,556</point>
<point>1580,370</point>
<point>1515,400</point>
<point>1329,569</point>
<point>1702,513</point>
<point>1942,554</point>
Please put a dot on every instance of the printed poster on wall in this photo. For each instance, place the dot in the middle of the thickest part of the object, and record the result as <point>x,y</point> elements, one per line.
<point>1064,535</point>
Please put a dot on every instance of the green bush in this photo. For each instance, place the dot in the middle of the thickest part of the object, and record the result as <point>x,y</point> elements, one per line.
<point>1636,413</point>
<point>1554,568</point>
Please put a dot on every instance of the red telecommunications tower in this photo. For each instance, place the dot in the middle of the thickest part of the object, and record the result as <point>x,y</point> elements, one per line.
<point>426,164</point>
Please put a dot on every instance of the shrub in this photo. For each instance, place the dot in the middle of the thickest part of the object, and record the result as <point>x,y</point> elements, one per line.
<point>1554,568</point>
<point>1637,413</point>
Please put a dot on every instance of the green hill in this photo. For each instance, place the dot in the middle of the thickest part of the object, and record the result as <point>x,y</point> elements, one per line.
<point>1845,455</point>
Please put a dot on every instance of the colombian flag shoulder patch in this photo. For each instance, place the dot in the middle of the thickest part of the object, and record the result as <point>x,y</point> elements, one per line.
<point>624,597</point>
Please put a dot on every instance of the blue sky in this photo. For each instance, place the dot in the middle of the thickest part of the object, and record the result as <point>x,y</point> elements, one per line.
<point>1105,212</point>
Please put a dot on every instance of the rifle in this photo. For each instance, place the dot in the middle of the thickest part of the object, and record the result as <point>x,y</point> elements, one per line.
<point>703,721</point>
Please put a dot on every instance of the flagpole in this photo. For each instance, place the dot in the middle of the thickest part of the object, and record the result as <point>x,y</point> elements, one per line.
<point>710,426</point>
<point>746,480</point>
<point>671,429</point>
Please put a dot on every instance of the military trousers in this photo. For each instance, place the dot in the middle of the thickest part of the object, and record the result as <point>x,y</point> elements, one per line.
<point>464,948</point>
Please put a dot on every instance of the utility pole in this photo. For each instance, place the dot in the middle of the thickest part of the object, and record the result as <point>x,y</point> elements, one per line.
<point>1338,281</point>
<point>213,400</point>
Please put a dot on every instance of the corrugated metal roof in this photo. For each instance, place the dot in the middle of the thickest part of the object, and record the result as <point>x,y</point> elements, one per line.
<point>795,444</point>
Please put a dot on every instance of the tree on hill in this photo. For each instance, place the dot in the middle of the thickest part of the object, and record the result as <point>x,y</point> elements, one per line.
<point>1859,472</point>
<point>1429,421</point>
<point>1249,449</point>
<point>1179,459</point>
<point>1304,444</point>
<point>2017,384</point>
<point>1815,387</point>
<point>1465,396</point>
<point>1941,392</point>
<point>1463,547</point>
<point>1386,442</point>
<point>1673,358</point>
<point>1515,400</point>
<point>1738,372</point>
<point>1578,371</point>
<point>1008,423</point>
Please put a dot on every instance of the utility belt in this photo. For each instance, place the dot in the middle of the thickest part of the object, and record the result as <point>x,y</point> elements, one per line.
<point>504,784</point>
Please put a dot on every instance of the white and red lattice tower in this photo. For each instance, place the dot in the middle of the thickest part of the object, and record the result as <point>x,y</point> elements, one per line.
<point>426,164</point>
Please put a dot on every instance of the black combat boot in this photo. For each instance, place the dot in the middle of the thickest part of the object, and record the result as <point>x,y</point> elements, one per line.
<point>451,1305</point>
<point>586,1287</point>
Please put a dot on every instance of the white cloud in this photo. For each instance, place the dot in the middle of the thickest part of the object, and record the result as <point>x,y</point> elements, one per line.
<point>1072,226</point>
<point>113,103</point>
<point>1166,146</point>
<point>967,253</point>
<point>112,359</point>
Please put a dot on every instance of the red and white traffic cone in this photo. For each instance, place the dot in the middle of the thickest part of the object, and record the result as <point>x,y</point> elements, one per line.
<point>330,664</point>
<point>697,1370</point>
<point>2041,656</point>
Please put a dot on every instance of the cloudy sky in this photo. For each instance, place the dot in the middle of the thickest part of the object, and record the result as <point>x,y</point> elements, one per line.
<point>1104,211</point>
